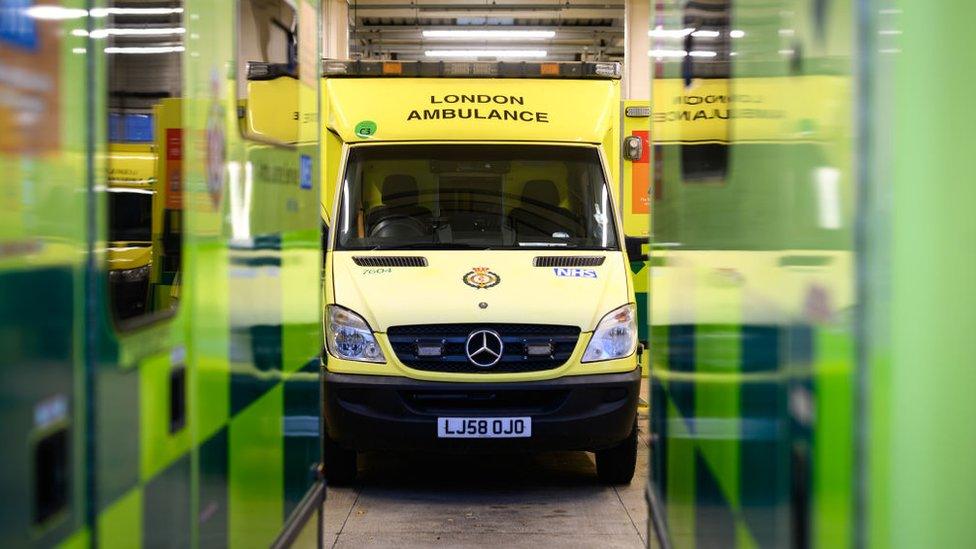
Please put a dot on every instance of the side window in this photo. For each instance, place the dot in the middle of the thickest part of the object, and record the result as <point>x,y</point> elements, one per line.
<point>144,184</point>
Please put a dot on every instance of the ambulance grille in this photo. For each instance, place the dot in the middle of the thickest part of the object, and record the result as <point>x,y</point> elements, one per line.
<point>451,339</point>
<point>390,261</point>
<point>568,261</point>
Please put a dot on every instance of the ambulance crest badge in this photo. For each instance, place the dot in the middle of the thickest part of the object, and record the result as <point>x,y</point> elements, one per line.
<point>481,278</point>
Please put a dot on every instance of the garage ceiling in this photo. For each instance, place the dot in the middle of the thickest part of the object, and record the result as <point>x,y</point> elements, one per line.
<point>579,29</point>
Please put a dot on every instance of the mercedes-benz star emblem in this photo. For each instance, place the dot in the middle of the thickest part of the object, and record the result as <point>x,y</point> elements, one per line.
<point>484,348</point>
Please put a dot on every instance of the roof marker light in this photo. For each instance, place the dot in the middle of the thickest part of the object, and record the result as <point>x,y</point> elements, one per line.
<point>549,69</point>
<point>637,112</point>
<point>611,70</point>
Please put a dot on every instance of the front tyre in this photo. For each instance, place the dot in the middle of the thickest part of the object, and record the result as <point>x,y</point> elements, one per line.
<point>616,464</point>
<point>338,463</point>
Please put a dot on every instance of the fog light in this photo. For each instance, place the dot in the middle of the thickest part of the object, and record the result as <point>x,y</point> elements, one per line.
<point>430,349</point>
<point>538,349</point>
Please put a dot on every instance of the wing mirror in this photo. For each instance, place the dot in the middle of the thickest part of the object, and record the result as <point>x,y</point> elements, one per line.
<point>633,148</point>
<point>270,112</point>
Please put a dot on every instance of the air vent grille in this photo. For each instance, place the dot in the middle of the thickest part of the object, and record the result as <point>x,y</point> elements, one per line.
<point>390,261</point>
<point>568,261</point>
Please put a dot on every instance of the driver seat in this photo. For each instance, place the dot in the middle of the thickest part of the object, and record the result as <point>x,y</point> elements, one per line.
<point>401,198</point>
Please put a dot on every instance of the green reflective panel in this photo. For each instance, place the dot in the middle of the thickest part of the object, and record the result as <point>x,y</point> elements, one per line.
<point>42,259</point>
<point>751,289</point>
<point>922,307</point>
<point>159,274</point>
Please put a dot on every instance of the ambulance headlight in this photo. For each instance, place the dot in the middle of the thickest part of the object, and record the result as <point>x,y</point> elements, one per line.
<point>129,275</point>
<point>349,336</point>
<point>615,336</point>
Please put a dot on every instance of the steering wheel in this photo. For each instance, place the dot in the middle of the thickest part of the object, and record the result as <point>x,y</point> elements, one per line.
<point>398,226</point>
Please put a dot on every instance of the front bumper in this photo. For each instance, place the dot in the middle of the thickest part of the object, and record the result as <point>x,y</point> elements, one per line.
<point>588,412</point>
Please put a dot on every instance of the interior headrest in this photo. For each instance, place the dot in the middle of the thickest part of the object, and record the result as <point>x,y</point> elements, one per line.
<point>540,192</point>
<point>398,187</point>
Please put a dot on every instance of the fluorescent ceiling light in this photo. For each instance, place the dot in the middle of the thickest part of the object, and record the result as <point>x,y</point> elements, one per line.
<point>659,32</point>
<point>667,53</point>
<point>102,33</point>
<point>55,13</point>
<point>169,31</point>
<point>58,13</point>
<point>145,49</point>
<point>705,34</point>
<point>489,34</point>
<point>736,33</point>
<point>702,53</point>
<point>485,53</point>
<point>102,12</point>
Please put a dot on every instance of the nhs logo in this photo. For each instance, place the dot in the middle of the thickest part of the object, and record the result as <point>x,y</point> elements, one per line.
<point>574,272</point>
<point>305,172</point>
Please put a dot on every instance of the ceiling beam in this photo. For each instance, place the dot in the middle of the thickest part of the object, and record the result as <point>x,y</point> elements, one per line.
<point>507,5</point>
<point>420,48</point>
<point>558,28</point>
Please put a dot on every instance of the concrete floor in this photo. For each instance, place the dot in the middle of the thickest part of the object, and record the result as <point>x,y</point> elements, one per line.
<point>545,500</point>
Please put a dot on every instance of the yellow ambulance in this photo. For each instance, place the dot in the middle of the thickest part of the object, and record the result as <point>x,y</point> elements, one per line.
<point>131,190</point>
<point>477,287</point>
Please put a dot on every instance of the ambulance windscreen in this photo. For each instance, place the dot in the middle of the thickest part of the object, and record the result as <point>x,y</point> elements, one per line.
<point>448,196</point>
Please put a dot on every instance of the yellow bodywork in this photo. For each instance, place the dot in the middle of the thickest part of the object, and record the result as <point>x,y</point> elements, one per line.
<point>390,296</point>
<point>411,109</point>
<point>391,106</point>
<point>279,111</point>
<point>123,256</point>
<point>131,165</point>
<point>764,109</point>
<point>367,112</point>
<point>633,188</point>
